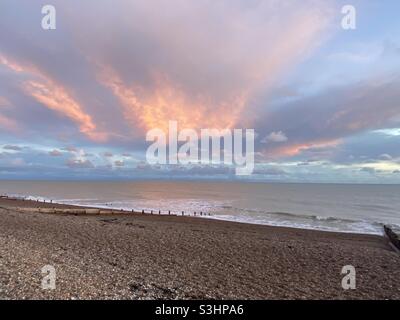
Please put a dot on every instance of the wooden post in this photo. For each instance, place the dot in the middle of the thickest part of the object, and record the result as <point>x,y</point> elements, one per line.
<point>183,213</point>
<point>169,212</point>
<point>393,233</point>
<point>159,211</point>
<point>142,211</point>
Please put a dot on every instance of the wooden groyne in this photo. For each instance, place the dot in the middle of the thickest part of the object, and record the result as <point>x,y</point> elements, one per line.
<point>88,211</point>
<point>393,233</point>
<point>51,207</point>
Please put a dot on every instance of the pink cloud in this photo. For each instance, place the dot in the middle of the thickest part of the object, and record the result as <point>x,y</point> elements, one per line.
<point>54,97</point>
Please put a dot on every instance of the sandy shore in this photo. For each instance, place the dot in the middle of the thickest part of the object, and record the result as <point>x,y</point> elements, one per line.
<point>136,256</point>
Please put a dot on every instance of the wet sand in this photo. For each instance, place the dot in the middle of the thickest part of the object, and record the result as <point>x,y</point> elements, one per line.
<point>135,256</point>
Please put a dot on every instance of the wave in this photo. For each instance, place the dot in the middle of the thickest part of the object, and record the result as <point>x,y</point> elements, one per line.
<point>361,227</point>
<point>303,221</point>
<point>292,215</point>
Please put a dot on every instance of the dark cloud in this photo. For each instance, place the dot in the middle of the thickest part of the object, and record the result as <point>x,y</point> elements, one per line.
<point>13,148</point>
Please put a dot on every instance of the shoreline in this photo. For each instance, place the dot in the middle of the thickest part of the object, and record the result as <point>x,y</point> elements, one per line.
<point>46,202</point>
<point>136,256</point>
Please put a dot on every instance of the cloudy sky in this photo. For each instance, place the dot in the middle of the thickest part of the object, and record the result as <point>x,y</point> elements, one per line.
<point>76,102</point>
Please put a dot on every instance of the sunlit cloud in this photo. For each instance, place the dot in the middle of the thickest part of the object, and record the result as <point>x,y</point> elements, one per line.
<point>383,166</point>
<point>11,65</point>
<point>56,98</point>
<point>390,132</point>
<point>207,79</point>
<point>296,149</point>
<point>8,124</point>
<point>168,103</point>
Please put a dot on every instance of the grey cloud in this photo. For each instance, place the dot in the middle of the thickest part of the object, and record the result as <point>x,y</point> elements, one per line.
<point>368,170</point>
<point>385,156</point>
<point>12,147</point>
<point>55,153</point>
<point>275,136</point>
<point>269,171</point>
<point>81,164</point>
<point>119,163</point>
<point>70,149</point>
<point>368,147</point>
<point>335,114</point>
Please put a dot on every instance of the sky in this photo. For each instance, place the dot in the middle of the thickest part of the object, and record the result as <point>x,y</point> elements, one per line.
<point>76,102</point>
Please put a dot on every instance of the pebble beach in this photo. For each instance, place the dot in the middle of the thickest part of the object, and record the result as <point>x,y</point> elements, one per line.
<point>127,255</point>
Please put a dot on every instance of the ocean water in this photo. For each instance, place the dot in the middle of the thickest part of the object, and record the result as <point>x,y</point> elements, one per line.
<point>330,207</point>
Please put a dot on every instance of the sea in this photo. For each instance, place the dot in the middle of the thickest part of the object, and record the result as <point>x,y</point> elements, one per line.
<point>353,208</point>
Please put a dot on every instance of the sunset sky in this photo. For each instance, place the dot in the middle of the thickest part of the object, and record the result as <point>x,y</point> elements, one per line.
<point>76,102</point>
